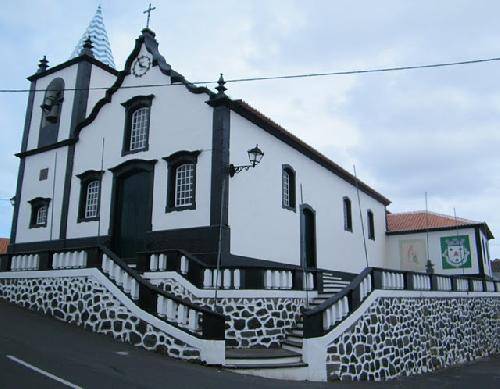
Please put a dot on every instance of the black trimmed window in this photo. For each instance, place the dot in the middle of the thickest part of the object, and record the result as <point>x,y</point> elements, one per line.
<point>51,112</point>
<point>39,212</point>
<point>181,180</point>
<point>346,201</point>
<point>288,187</point>
<point>370,224</point>
<point>90,196</point>
<point>137,124</point>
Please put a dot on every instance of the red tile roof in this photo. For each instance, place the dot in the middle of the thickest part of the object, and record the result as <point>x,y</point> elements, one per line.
<point>3,245</point>
<point>421,221</point>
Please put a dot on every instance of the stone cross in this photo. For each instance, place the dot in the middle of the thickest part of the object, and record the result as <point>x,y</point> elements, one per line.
<point>148,11</point>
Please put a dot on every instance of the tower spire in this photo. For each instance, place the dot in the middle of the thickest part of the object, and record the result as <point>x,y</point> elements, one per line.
<point>96,31</point>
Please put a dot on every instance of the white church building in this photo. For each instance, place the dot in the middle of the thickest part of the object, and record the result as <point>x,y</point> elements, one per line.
<point>200,209</point>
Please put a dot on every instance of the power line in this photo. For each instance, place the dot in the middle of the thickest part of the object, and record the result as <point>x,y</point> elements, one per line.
<point>284,77</point>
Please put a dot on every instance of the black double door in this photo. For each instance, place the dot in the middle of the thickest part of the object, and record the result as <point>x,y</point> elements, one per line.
<point>132,214</point>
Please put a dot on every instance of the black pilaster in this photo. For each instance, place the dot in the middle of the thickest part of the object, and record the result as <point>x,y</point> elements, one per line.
<point>479,249</point>
<point>219,192</point>
<point>22,163</point>
<point>77,115</point>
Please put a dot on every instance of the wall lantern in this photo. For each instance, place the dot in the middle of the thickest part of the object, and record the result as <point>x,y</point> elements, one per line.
<point>254,155</point>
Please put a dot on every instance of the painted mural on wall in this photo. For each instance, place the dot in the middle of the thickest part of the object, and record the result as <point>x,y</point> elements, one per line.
<point>455,252</point>
<point>413,254</point>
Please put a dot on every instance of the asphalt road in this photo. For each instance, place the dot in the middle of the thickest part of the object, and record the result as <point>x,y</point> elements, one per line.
<point>40,352</point>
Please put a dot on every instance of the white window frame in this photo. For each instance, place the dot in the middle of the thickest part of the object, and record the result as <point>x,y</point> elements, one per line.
<point>92,199</point>
<point>184,185</point>
<point>41,215</point>
<point>286,188</point>
<point>139,126</point>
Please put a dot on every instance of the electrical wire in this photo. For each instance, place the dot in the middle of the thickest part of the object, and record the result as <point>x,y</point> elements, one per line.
<point>284,77</point>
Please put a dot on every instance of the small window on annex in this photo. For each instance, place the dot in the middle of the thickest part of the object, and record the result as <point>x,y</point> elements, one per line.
<point>90,196</point>
<point>347,213</point>
<point>288,187</point>
<point>181,180</point>
<point>137,124</point>
<point>39,212</point>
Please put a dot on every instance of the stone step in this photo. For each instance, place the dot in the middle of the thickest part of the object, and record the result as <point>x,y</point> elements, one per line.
<point>295,339</point>
<point>292,345</point>
<point>297,332</point>
<point>261,358</point>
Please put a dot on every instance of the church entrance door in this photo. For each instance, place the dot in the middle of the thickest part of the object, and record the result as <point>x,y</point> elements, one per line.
<point>308,236</point>
<point>132,211</point>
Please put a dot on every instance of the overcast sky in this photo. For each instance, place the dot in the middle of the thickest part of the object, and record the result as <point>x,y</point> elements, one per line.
<point>407,132</point>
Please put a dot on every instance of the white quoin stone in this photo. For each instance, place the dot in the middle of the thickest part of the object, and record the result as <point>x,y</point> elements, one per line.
<point>162,262</point>
<point>153,262</point>
<point>227,278</point>
<point>207,278</point>
<point>236,278</point>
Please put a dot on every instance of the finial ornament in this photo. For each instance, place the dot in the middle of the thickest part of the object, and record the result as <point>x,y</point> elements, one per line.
<point>148,11</point>
<point>87,47</point>
<point>43,65</point>
<point>221,86</point>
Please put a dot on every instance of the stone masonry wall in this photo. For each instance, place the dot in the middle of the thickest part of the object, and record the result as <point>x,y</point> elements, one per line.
<point>86,303</point>
<point>405,336</point>
<point>255,322</point>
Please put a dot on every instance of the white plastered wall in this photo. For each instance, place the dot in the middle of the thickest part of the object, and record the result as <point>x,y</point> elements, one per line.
<point>99,78</point>
<point>180,120</point>
<point>33,187</point>
<point>261,228</point>
<point>394,256</point>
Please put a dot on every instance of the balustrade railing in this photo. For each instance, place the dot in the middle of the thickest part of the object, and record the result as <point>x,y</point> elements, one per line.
<point>25,262</point>
<point>326,316</point>
<point>174,310</point>
<point>69,260</point>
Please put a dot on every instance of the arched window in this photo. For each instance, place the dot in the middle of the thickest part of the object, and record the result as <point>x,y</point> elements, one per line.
<point>288,187</point>
<point>51,112</point>
<point>370,225</point>
<point>90,194</point>
<point>181,190</point>
<point>137,124</point>
<point>39,212</point>
<point>347,214</point>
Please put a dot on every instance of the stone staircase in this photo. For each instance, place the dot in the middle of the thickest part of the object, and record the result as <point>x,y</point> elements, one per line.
<point>285,362</point>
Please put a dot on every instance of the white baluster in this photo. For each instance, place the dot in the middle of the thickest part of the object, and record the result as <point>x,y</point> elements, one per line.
<point>345,304</point>
<point>184,265</point>
<point>311,281</point>
<point>227,278</point>
<point>162,262</point>
<point>153,262</point>
<point>384,280</point>
<point>340,311</point>
<point>171,310</point>
<point>327,319</point>
<point>193,320</point>
<point>207,278</point>
<point>219,278</point>
<point>290,280</point>
<point>276,279</point>
<point>159,305</point>
<point>268,281</point>
<point>236,278</point>
<point>181,314</point>
<point>135,290</point>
